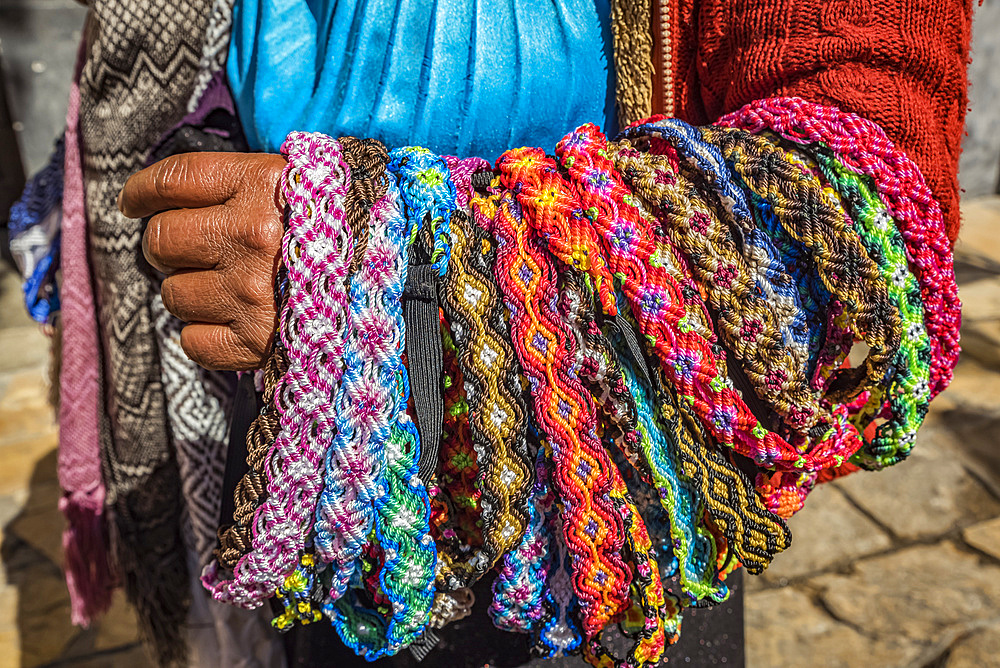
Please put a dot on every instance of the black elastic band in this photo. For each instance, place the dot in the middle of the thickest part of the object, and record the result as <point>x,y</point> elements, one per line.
<point>246,407</point>
<point>426,361</point>
<point>482,179</point>
<point>623,327</point>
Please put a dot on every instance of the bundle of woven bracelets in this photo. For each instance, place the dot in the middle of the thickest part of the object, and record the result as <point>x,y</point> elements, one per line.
<point>602,378</point>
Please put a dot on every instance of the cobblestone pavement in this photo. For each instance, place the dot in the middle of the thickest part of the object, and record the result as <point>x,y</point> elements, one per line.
<point>899,568</point>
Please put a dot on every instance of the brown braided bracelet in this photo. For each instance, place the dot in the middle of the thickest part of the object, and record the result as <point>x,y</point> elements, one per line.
<point>842,262</point>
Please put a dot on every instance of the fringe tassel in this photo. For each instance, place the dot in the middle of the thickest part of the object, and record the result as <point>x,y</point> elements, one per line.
<point>88,573</point>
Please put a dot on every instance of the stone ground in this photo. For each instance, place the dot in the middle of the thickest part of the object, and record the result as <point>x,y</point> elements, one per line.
<point>899,568</point>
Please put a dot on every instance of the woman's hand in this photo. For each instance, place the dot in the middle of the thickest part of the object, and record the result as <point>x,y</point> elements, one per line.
<point>217,236</point>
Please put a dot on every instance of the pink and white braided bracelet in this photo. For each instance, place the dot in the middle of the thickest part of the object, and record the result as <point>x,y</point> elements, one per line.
<point>317,250</point>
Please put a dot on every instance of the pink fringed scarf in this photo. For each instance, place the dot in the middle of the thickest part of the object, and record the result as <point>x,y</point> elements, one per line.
<point>88,574</point>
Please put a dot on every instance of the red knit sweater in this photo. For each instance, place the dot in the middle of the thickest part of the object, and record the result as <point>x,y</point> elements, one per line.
<point>900,63</point>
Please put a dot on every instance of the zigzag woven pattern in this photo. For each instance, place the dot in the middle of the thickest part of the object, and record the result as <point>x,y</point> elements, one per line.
<point>565,413</point>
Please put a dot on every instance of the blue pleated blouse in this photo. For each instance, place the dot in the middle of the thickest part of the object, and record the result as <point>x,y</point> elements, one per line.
<point>461,77</point>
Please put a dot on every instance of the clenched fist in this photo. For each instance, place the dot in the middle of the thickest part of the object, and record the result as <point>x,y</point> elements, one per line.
<point>216,234</point>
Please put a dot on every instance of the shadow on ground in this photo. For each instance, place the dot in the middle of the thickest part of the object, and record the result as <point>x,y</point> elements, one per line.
<point>31,552</point>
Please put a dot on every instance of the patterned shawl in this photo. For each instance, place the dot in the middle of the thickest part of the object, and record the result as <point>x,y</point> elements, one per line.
<point>139,75</point>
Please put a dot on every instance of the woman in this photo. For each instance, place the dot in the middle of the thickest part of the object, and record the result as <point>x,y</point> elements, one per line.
<point>459,77</point>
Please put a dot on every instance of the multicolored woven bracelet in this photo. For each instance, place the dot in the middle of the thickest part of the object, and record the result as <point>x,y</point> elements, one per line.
<point>544,197</point>
<point>704,167</point>
<point>600,370</point>
<point>362,629</point>
<point>564,411</point>
<point>744,318</point>
<point>316,252</point>
<point>843,264</point>
<point>814,298</point>
<point>692,545</point>
<point>473,304</point>
<point>402,523</point>
<point>863,147</point>
<point>908,393</point>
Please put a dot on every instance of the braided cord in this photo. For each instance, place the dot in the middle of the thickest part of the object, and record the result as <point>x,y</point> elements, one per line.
<point>675,263</point>
<point>366,158</point>
<point>497,416</point>
<point>316,251</point>
<point>692,545</point>
<point>863,147</point>
<point>354,461</point>
<point>564,411</point>
<point>703,164</point>
<point>744,318</point>
<point>839,339</point>
<point>909,391</point>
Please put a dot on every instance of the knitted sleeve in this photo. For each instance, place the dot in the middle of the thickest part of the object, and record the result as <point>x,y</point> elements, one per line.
<point>899,63</point>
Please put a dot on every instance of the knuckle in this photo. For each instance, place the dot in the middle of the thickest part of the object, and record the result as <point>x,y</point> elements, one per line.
<point>263,234</point>
<point>254,287</point>
<point>169,293</point>
<point>170,176</point>
<point>272,231</point>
